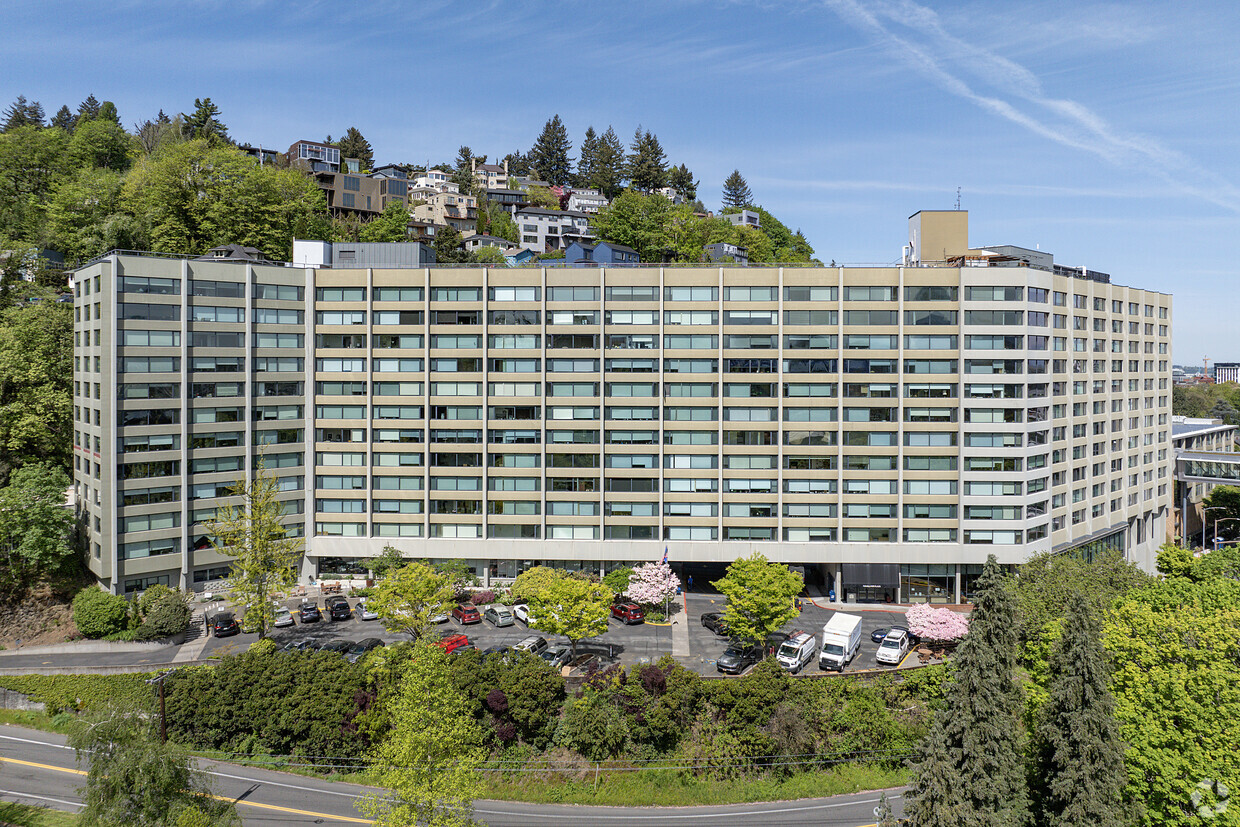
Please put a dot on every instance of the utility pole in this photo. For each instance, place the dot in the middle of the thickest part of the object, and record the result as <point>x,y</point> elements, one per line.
<point>163,716</point>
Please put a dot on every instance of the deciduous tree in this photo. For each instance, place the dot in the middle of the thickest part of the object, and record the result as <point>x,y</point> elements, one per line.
<point>264,557</point>
<point>407,598</point>
<point>430,759</point>
<point>760,595</point>
<point>1079,758</point>
<point>390,225</point>
<point>565,605</point>
<point>134,779</point>
<point>35,527</point>
<point>448,246</point>
<point>653,583</point>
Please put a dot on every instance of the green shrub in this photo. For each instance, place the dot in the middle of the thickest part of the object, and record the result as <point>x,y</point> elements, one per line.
<point>166,617</point>
<point>74,693</point>
<point>98,613</point>
<point>150,597</point>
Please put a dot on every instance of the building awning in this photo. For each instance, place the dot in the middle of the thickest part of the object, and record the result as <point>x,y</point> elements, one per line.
<point>871,575</point>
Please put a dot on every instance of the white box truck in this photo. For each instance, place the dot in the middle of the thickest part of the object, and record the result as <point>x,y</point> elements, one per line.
<point>841,640</point>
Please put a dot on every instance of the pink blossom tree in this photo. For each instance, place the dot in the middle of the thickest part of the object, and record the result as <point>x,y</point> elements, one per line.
<point>939,625</point>
<point>652,583</point>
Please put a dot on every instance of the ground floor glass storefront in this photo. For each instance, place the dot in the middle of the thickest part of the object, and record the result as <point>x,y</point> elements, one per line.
<point>927,583</point>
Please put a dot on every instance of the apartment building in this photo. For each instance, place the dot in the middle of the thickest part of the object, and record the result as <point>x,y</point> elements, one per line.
<point>884,427</point>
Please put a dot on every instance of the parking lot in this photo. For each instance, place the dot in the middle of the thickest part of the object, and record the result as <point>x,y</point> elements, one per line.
<point>625,644</point>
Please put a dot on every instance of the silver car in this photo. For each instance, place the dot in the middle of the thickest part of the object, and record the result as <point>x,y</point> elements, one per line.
<point>499,616</point>
<point>557,656</point>
<point>283,617</point>
<point>363,611</point>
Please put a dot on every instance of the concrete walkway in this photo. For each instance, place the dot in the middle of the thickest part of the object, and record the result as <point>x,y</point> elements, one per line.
<point>680,630</point>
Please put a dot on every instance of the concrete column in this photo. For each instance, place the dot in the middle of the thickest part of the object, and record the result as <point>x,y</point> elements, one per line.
<point>957,599</point>
<point>839,583</point>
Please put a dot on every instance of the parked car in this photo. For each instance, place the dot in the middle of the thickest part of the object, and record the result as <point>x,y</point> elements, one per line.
<point>557,656</point>
<point>451,643</point>
<point>499,616</point>
<point>797,651</point>
<point>466,613</point>
<point>460,650</point>
<point>714,622</point>
<point>359,649</point>
<point>338,608</point>
<point>442,617</point>
<point>363,611</point>
<point>893,648</point>
<point>522,613</point>
<point>309,613</point>
<point>739,656</point>
<point>300,645</point>
<point>283,617</point>
<point>340,647</point>
<point>628,613</point>
<point>224,624</point>
<point>533,644</point>
<point>498,651</point>
<point>878,634</point>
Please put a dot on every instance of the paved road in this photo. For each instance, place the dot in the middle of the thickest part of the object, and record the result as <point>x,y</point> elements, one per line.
<point>36,768</point>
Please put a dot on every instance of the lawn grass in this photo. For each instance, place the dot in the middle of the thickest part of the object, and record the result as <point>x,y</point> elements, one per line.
<point>673,788</point>
<point>21,815</point>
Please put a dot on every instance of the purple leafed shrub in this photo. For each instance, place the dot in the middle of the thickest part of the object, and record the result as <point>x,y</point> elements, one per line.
<point>497,701</point>
<point>483,598</point>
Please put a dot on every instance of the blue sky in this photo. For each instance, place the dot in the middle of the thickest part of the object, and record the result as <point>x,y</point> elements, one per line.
<point>1101,132</point>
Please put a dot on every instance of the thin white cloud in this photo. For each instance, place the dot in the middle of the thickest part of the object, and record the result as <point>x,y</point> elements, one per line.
<point>1017,95</point>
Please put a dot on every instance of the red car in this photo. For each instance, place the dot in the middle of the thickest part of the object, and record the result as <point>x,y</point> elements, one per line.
<point>628,613</point>
<point>466,614</point>
<point>451,643</point>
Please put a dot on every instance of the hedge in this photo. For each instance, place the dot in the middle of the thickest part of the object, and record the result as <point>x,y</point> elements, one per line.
<point>74,693</point>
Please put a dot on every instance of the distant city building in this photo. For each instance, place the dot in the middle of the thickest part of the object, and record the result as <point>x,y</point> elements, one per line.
<point>744,218</point>
<point>727,252</point>
<point>586,200</point>
<point>552,229</point>
<point>314,156</point>
<point>1227,372</point>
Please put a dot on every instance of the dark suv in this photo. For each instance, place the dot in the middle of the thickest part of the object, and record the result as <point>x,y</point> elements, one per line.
<point>224,624</point>
<point>338,608</point>
<point>309,613</point>
<point>739,657</point>
<point>714,622</point>
<point>628,613</point>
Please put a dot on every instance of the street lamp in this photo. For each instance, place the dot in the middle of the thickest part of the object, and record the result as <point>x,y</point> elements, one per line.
<point>1222,520</point>
<point>1205,518</point>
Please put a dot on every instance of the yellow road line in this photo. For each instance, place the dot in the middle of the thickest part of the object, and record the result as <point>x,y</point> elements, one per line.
<point>349,819</point>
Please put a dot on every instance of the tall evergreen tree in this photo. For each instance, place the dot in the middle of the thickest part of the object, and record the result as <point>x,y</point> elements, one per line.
<point>681,179</point>
<point>980,726</point>
<point>518,163</point>
<point>463,175</point>
<point>609,165</point>
<point>647,165</point>
<point>549,156</point>
<point>736,191</point>
<point>107,112</point>
<point>932,799</point>
<point>88,109</point>
<point>354,145</point>
<point>1079,758</point>
<point>23,113</point>
<point>588,161</point>
<point>204,122</point>
<point>65,119</point>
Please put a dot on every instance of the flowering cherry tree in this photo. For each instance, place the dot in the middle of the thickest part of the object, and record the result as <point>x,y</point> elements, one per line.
<point>652,583</point>
<point>941,625</point>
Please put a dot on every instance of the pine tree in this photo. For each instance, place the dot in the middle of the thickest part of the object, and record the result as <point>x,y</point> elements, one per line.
<point>518,164</point>
<point>609,165</point>
<point>981,730</point>
<point>88,109</point>
<point>204,122</point>
<point>681,179</point>
<point>1079,778</point>
<point>65,119</point>
<point>549,156</point>
<point>107,112</point>
<point>354,145</point>
<point>589,158</point>
<point>736,191</point>
<point>647,167</point>
<point>23,113</point>
<point>932,799</point>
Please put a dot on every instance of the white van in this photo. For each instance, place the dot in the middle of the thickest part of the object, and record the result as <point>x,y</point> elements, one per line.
<point>797,651</point>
